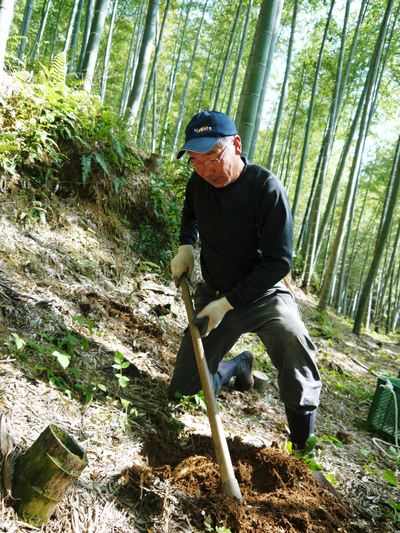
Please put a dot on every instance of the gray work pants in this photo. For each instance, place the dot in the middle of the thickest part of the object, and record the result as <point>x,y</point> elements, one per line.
<point>276,320</point>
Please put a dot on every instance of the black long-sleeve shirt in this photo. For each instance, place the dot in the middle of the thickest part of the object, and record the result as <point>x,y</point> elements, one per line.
<point>246,233</point>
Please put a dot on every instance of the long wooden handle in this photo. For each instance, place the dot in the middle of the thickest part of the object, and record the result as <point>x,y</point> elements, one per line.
<point>230,486</point>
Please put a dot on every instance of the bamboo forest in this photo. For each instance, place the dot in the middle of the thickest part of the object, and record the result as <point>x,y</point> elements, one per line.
<point>95,98</point>
<point>321,111</point>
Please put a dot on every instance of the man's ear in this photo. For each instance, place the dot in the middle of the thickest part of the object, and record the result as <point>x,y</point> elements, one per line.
<point>237,143</point>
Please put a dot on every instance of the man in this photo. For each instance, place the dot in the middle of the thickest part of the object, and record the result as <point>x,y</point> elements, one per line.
<point>241,214</point>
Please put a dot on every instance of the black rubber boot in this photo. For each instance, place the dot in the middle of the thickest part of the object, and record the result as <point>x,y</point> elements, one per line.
<point>301,427</point>
<point>244,377</point>
<point>240,368</point>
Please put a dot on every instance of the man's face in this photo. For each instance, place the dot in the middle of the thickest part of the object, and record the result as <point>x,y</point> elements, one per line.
<point>219,166</point>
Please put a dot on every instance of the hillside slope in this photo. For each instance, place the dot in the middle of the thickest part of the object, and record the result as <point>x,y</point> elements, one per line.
<point>89,328</point>
<point>69,284</point>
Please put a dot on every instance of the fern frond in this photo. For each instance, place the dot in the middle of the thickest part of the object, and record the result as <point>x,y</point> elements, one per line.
<point>42,73</point>
<point>101,161</point>
<point>117,145</point>
<point>86,162</point>
<point>58,68</point>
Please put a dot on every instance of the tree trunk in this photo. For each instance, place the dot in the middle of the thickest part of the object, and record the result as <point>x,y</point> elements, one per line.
<point>172,82</point>
<point>6,16</point>
<point>55,34</point>
<point>323,160</point>
<point>349,139</point>
<point>389,305</point>
<point>388,283</point>
<point>238,60</point>
<point>217,68</point>
<point>71,25</point>
<point>154,121</point>
<point>207,73</point>
<point>290,130</point>
<point>387,217</point>
<point>310,114</point>
<point>188,78</point>
<point>104,77</point>
<point>86,33</point>
<point>345,280</point>
<point>370,86</point>
<point>152,75</point>
<point>93,45</point>
<point>136,92</point>
<point>396,305</point>
<point>254,76</point>
<point>33,54</point>
<point>282,99</point>
<point>340,168</point>
<point>349,230</point>
<point>227,55</point>
<point>131,62</point>
<point>43,474</point>
<point>368,320</point>
<point>75,35</point>
<point>26,23</point>
<point>277,20</point>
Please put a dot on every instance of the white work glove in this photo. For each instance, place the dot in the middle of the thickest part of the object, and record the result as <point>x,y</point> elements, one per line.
<point>215,311</point>
<point>182,263</point>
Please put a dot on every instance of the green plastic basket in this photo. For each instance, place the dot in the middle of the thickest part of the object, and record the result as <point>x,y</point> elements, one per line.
<point>381,416</point>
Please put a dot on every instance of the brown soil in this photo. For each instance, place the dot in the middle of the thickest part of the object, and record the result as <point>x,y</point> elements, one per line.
<point>279,492</point>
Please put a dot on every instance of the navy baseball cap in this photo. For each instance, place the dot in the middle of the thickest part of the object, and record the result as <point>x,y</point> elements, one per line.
<point>204,131</point>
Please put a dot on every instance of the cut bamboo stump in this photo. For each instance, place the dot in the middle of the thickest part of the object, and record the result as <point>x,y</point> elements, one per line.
<point>43,474</point>
<point>260,381</point>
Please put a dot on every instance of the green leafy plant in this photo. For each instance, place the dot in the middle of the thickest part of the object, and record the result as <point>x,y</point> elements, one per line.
<point>159,235</point>
<point>216,529</point>
<point>393,512</point>
<point>19,342</point>
<point>394,453</point>
<point>120,364</point>
<point>85,322</point>
<point>53,361</point>
<point>88,390</point>
<point>324,327</point>
<point>329,439</point>
<point>192,402</point>
<point>297,266</point>
<point>388,475</point>
<point>63,358</point>
<point>127,412</point>
<point>308,455</point>
<point>48,128</point>
<point>176,426</point>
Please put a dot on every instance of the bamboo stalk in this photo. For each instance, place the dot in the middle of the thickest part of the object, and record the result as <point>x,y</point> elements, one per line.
<point>43,474</point>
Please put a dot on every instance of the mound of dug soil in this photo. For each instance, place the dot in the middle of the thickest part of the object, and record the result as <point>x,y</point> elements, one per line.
<point>279,492</point>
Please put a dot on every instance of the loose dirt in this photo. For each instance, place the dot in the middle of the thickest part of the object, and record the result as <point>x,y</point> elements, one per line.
<point>279,492</point>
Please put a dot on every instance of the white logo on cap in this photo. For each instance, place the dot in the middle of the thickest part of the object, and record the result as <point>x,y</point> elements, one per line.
<point>203,129</point>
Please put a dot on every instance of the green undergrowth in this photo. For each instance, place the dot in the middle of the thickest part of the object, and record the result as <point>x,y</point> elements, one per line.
<point>58,139</point>
<point>55,359</point>
<point>52,134</point>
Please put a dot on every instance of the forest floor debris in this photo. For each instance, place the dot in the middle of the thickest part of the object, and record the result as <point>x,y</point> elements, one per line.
<point>68,286</point>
